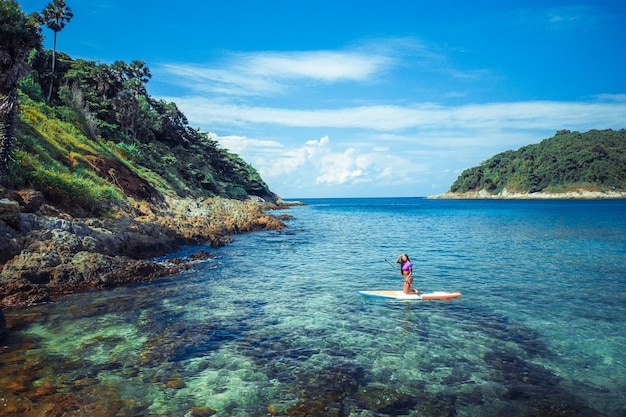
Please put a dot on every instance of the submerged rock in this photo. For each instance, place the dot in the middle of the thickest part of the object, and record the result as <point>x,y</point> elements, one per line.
<point>327,390</point>
<point>202,412</point>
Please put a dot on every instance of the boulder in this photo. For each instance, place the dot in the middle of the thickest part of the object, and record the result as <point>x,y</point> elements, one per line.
<point>30,267</point>
<point>10,212</point>
<point>30,200</point>
<point>9,243</point>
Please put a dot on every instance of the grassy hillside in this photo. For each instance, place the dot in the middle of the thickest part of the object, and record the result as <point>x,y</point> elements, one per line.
<point>595,161</point>
<point>103,141</point>
<point>54,157</point>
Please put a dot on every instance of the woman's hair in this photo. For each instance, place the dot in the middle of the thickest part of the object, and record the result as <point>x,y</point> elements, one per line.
<point>400,261</point>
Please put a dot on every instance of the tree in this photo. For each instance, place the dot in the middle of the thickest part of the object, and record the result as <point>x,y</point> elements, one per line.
<point>19,34</point>
<point>55,15</point>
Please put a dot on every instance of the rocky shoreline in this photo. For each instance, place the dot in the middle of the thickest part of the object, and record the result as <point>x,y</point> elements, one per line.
<point>508,195</point>
<point>45,251</point>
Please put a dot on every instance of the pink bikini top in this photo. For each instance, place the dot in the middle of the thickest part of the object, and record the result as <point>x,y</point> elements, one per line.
<point>407,266</point>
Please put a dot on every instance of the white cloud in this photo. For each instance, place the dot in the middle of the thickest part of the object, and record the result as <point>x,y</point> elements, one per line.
<point>520,115</point>
<point>318,143</point>
<point>282,164</point>
<point>330,166</point>
<point>330,66</point>
<point>238,144</point>
<point>320,162</point>
<point>271,158</point>
<point>201,79</point>
<point>262,73</point>
<point>338,169</point>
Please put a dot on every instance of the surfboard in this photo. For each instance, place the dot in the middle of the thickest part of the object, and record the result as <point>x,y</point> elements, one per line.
<point>400,295</point>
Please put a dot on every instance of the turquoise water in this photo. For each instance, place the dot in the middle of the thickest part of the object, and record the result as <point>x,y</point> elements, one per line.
<point>273,321</point>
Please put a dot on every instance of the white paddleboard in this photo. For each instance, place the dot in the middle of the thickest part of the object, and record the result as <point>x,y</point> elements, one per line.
<point>400,295</point>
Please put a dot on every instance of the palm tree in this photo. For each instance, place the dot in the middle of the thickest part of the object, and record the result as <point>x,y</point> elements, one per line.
<point>55,15</point>
<point>19,34</point>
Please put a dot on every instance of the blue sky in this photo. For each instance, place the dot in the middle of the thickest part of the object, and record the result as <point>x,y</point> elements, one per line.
<point>368,98</point>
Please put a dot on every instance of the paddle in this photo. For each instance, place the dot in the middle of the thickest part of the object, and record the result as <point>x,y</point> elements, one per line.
<point>390,264</point>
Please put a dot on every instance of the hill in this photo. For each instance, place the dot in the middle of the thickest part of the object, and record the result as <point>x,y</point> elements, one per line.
<point>80,212</point>
<point>594,161</point>
<point>97,177</point>
<point>103,139</point>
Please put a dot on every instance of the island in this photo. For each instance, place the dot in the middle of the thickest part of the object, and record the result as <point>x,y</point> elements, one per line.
<point>568,165</point>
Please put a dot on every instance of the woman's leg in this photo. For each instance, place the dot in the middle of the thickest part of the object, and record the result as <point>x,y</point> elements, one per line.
<point>407,287</point>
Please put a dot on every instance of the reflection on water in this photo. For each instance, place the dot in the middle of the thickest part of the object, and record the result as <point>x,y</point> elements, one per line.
<point>273,324</point>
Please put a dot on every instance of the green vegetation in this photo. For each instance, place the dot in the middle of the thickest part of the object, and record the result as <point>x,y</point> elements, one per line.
<point>594,161</point>
<point>96,129</point>
<point>55,15</point>
<point>54,158</point>
<point>18,36</point>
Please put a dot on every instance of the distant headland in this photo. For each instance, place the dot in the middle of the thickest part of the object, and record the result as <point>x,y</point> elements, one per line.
<point>570,165</point>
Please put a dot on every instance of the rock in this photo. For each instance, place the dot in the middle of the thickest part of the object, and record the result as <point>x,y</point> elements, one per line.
<point>280,409</point>
<point>202,412</point>
<point>86,382</point>
<point>145,210</point>
<point>175,383</point>
<point>17,294</point>
<point>41,391</point>
<point>200,255</point>
<point>511,195</point>
<point>10,212</point>
<point>28,223</point>
<point>47,251</point>
<point>30,200</point>
<point>3,323</point>
<point>31,267</point>
<point>93,270</point>
<point>9,243</point>
<point>84,267</point>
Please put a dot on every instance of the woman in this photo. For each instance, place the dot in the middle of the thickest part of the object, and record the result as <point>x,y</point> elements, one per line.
<point>406,269</point>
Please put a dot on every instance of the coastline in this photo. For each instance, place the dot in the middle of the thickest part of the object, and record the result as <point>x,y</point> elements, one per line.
<point>508,195</point>
<point>46,252</point>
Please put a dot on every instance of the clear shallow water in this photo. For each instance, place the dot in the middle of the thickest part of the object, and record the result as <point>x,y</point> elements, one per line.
<point>273,321</point>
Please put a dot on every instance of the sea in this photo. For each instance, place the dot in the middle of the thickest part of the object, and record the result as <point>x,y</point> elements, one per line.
<point>273,324</point>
